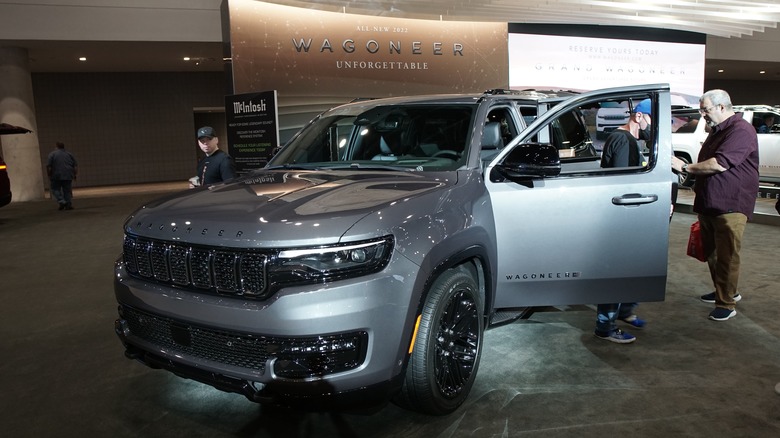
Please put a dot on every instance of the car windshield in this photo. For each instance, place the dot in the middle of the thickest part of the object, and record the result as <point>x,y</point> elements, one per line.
<point>392,137</point>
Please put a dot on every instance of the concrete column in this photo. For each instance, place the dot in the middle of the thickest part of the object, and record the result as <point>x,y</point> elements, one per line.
<point>20,151</point>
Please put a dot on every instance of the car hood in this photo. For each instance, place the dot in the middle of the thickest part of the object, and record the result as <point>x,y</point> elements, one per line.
<point>269,209</point>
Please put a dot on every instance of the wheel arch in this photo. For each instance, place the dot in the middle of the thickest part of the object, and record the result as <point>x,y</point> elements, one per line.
<point>476,259</point>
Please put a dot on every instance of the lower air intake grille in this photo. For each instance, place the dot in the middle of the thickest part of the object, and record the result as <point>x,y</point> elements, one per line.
<point>295,357</point>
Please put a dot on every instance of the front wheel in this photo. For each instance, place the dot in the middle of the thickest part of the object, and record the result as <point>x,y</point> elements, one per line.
<point>444,362</point>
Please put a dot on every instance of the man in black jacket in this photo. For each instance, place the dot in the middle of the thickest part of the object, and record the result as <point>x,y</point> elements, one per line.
<point>216,166</point>
<point>62,168</point>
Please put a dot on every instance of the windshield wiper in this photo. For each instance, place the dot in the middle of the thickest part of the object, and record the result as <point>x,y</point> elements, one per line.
<point>359,166</point>
<point>294,167</point>
<point>343,166</point>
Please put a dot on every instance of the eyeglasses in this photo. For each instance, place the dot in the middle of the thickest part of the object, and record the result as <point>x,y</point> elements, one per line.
<point>707,109</point>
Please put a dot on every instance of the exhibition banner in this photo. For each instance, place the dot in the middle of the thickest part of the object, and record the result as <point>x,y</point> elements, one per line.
<point>252,129</point>
<point>312,56</point>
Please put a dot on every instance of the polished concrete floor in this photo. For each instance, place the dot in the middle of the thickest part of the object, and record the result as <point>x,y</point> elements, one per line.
<point>63,374</point>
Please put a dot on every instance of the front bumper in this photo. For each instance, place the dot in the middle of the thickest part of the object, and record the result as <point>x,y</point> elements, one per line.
<point>303,344</point>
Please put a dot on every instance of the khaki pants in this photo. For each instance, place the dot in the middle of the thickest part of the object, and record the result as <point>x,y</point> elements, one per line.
<point>722,238</point>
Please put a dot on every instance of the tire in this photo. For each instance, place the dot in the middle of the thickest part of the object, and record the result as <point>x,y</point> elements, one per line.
<point>685,179</point>
<point>446,354</point>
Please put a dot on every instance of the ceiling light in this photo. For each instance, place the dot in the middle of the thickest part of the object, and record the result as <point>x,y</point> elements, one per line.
<point>762,72</point>
<point>720,70</point>
<point>186,58</point>
<point>82,58</point>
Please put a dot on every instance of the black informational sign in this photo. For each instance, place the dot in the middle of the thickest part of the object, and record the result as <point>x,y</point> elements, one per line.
<point>252,129</point>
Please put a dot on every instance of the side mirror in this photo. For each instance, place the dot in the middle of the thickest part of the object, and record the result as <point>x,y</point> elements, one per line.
<point>530,160</point>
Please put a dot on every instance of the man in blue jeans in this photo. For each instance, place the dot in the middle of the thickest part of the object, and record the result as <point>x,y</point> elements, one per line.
<point>622,150</point>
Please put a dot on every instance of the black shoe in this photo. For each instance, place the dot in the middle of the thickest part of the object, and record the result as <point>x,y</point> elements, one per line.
<point>68,207</point>
<point>721,314</point>
<point>710,297</point>
<point>62,207</point>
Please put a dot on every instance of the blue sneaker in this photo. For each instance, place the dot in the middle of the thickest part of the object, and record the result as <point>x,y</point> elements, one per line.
<point>618,336</point>
<point>710,297</point>
<point>721,314</point>
<point>634,320</point>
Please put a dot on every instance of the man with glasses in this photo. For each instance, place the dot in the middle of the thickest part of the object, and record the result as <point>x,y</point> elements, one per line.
<point>726,186</point>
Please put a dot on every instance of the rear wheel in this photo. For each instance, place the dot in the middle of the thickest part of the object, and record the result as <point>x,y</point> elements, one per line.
<point>684,178</point>
<point>444,362</point>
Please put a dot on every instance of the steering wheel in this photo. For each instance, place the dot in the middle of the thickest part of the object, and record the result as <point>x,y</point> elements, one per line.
<point>446,153</point>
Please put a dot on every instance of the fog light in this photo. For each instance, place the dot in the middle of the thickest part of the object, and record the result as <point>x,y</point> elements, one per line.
<point>320,356</point>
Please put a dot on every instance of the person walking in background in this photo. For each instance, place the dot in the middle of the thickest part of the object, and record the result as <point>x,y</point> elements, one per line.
<point>62,169</point>
<point>622,150</point>
<point>216,166</point>
<point>725,195</point>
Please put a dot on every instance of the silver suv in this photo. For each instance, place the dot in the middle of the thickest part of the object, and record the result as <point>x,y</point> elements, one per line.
<point>365,262</point>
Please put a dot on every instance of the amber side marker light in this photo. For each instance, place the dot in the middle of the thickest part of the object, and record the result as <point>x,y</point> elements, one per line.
<point>3,167</point>
<point>414,335</point>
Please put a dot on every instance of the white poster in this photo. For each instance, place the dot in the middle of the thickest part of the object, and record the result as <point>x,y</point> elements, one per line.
<point>580,64</point>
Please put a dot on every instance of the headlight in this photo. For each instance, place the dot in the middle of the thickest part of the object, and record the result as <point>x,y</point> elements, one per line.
<point>330,262</point>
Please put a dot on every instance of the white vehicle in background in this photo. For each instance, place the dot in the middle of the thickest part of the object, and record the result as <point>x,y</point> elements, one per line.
<point>689,132</point>
<point>609,117</point>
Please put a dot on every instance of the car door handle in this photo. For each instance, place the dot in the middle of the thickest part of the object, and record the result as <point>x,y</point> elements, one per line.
<point>634,198</point>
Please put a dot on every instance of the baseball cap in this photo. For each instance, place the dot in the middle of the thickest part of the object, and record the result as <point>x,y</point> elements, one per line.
<point>206,131</point>
<point>644,107</point>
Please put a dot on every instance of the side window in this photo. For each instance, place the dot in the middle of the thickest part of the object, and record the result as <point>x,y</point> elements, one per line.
<point>499,130</point>
<point>685,122</point>
<point>508,129</point>
<point>571,137</point>
<point>765,123</point>
<point>598,135</point>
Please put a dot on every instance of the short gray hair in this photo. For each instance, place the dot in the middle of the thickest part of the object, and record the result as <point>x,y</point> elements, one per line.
<point>717,97</point>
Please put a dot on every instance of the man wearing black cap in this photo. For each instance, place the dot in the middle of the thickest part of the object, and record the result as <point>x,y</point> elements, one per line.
<point>216,166</point>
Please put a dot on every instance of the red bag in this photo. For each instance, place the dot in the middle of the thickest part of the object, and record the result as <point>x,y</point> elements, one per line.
<point>695,244</point>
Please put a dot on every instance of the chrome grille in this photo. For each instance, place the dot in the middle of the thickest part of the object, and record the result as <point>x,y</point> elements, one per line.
<point>200,268</point>
<point>177,263</point>
<point>224,271</point>
<point>160,262</point>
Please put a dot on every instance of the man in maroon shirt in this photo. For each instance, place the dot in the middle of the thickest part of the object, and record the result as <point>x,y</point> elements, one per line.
<point>726,188</point>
